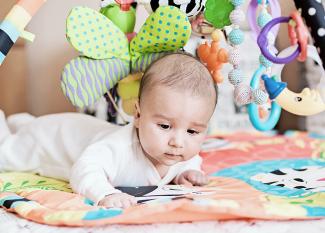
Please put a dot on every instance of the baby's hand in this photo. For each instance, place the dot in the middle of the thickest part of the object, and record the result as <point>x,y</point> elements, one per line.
<point>192,177</point>
<point>118,200</point>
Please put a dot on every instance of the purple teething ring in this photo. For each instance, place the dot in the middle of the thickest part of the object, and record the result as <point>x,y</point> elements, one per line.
<point>263,42</point>
<point>251,16</point>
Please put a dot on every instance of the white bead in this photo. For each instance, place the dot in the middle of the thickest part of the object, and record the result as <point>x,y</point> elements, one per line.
<point>259,96</point>
<point>242,94</point>
<point>237,16</point>
<point>234,57</point>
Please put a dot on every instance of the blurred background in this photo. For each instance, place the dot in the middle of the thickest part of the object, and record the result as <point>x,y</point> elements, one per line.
<point>30,75</point>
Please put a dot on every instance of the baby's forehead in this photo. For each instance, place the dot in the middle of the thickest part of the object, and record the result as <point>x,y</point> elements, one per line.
<point>161,97</point>
<point>160,91</point>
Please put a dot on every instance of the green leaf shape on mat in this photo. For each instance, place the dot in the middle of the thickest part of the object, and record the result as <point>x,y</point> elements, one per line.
<point>167,29</point>
<point>17,181</point>
<point>94,35</point>
<point>217,12</point>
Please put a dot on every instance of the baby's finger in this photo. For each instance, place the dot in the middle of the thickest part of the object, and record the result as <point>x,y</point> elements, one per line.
<point>117,204</point>
<point>185,181</point>
<point>193,176</point>
<point>106,203</point>
<point>200,180</point>
<point>205,180</point>
<point>126,203</point>
<point>196,180</point>
<point>133,201</point>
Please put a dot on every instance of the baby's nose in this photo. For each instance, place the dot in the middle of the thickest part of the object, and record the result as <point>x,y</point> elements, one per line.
<point>176,141</point>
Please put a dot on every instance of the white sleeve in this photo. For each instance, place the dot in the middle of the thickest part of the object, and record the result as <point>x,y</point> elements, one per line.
<point>91,173</point>
<point>192,164</point>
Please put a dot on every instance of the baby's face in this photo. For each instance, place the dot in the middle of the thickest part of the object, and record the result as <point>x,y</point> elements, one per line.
<point>172,125</point>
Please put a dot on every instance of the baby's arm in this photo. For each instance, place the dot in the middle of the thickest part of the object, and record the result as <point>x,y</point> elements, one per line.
<point>90,177</point>
<point>191,173</point>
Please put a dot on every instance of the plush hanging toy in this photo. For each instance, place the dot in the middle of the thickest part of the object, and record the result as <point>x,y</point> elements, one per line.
<point>121,14</point>
<point>13,26</point>
<point>189,7</point>
<point>106,55</point>
<point>201,31</point>
<point>213,56</point>
<point>128,90</point>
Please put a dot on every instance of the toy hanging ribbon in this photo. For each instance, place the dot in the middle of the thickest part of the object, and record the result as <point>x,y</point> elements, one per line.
<point>107,57</point>
<point>12,27</point>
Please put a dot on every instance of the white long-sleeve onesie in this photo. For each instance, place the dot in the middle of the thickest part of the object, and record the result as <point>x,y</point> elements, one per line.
<point>92,154</point>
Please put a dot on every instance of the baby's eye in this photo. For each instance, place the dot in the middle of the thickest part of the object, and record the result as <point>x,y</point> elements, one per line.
<point>192,132</point>
<point>164,126</point>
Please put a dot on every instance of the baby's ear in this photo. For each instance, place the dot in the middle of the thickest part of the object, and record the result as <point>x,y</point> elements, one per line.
<point>136,114</point>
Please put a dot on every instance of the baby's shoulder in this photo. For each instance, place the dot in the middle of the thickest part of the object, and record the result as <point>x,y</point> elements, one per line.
<point>120,136</point>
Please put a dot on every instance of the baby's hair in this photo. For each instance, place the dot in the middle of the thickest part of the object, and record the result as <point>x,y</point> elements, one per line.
<point>180,71</point>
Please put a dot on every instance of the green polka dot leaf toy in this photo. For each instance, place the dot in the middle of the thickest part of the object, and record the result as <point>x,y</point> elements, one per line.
<point>95,36</point>
<point>106,56</point>
<point>168,29</point>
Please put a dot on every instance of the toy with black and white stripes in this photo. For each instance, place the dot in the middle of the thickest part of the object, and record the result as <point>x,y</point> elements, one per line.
<point>189,7</point>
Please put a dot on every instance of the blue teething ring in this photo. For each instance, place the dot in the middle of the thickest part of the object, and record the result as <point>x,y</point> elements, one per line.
<point>253,108</point>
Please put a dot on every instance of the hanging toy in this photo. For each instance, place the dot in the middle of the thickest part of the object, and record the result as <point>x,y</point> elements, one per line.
<point>262,116</point>
<point>121,14</point>
<point>314,14</point>
<point>12,27</point>
<point>213,56</point>
<point>306,103</point>
<point>106,55</point>
<point>218,12</point>
<point>298,34</point>
<point>263,17</point>
<point>201,31</point>
<point>300,37</point>
<point>189,7</point>
<point>128,90</point>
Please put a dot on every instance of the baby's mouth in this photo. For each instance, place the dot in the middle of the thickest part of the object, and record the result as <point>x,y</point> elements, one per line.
<point>173,155</point>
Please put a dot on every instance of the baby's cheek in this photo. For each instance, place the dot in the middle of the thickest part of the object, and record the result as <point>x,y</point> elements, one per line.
<point>153,142</point>
<point>198,143</point>
<point>193,149</point>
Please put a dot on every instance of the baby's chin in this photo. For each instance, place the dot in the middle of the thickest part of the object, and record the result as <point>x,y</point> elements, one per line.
<point>170,160</point>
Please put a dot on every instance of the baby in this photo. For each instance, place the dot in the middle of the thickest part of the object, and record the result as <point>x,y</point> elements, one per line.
<point>176,101</point>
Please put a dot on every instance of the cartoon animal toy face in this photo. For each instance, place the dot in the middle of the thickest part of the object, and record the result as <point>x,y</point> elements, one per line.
<point>200,26</point>
<point>308,102</point>
<point>189,7</point>
<point>310,178</point>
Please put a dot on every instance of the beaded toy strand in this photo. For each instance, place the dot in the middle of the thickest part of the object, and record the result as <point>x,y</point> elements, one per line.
<point>263,18</point>
<point>243,94</point>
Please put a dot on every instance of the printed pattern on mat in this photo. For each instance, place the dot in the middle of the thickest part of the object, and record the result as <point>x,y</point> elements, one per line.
<point>256,178</point>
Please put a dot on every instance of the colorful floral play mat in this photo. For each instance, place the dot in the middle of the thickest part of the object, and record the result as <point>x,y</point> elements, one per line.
<point>253,176</point>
